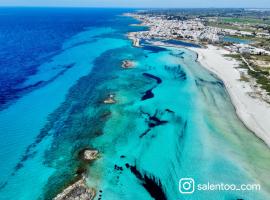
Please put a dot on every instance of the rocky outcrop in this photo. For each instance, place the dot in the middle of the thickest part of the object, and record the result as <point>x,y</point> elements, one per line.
<point>127,64</point>
<point>110,100</point>
<point>89,155</point>
<point>77,191</point>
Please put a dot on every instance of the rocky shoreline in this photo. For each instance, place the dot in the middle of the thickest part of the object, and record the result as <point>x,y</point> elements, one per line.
<point>79,190</point>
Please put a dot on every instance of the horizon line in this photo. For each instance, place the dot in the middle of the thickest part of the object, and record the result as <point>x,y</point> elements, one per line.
<point>122,7</point>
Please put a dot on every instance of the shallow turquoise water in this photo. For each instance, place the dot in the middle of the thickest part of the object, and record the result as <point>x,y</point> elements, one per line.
<point>172,119</point>
<point>32,110</point>
<point>203,138</point>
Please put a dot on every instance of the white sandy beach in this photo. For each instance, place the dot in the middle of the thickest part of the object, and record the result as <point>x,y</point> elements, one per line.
<point>255,113</point>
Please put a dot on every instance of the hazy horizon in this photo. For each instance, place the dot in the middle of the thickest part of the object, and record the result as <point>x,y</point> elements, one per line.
<point>260,4</point>
<point>119,7</point>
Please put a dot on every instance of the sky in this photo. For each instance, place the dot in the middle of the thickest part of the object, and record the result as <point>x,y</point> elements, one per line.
<point>141,3</point>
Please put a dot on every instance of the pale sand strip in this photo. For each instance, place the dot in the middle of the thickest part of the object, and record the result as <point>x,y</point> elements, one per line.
<point>255,113</point>
<point>135,40</point>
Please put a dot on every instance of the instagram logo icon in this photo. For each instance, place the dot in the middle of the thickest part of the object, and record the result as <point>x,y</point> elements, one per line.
<point>186,185</point>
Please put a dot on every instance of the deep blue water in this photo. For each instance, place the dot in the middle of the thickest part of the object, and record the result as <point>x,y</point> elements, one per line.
<point>43,53</point>
<point>31,36</point>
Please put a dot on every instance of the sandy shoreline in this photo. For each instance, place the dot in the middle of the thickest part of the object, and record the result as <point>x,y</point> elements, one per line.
<point>254,113</point>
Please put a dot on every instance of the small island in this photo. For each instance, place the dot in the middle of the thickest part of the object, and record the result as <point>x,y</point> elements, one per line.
<point>110,99</point>
<point>88,154</point>
<point>128,64</point>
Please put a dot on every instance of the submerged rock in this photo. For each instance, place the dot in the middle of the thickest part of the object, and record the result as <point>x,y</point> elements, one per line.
<point>151,183</point>
<point>127,64</point>
<point>77,191</point>
<point>110,100</point>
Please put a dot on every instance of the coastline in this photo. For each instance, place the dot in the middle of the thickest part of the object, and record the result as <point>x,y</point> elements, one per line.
<point>253,112</point>
<point>134,39</point>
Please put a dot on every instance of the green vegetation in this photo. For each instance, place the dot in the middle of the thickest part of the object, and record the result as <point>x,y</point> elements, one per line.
<point>235,56</point>
<point>244,78</point>
<point>261,79</point>
<point>228,26</point>
<point>265,44</point>
<point>244,20</point>
<point>247,23</point>
<point>260,75</point>
<point>261,57</point>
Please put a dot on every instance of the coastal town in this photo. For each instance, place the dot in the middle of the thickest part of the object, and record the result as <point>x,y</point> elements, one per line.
<point>162,28</point>
<point>195,30</point>
<point>241,44</point>
<point>233,44</point>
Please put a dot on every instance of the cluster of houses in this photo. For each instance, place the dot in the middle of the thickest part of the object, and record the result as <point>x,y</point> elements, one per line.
<point>247,49</point>
<point>193,29</point>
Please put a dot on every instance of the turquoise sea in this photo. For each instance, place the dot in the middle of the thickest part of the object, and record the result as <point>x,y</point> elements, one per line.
<point>173,119</point>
